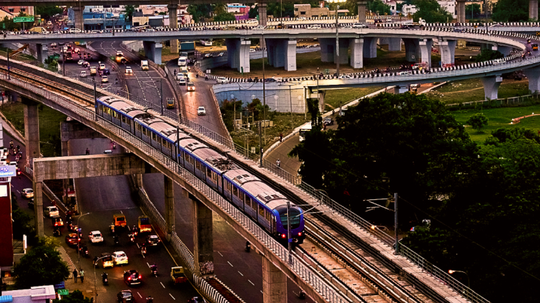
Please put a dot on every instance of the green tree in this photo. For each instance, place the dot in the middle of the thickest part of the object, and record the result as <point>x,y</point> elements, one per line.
<point>472,10</point>
<point>314,152</point>
<point>431,11</point>
<point>478,121</point>
<point>225,17</point>
<point>488,54</point>
<point>378,6</point>
<point>42,265</point>
<point>128,12</point>
<point>511,11</point>
<point>47,11</point>
<point>75,297</point>
<point>199,11</point>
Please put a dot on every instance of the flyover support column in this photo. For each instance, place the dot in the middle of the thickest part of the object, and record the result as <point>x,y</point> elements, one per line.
<point>357,53</point>
<point>152,50</point>
<point>169,205</point>
<point>79,20</point>
<point>533,75</point>
<point>173,23</point>
<point>411,49</point>
<point>460,10</point>
<point>38,208</point>
<point>31,131</point>
<point>238,50</point>
<point>533,9</point>
<point>42,52</point>
<point>425,51</point>
<point>203,250</point>
<point>370,48</point>
<point>290,55</point>
<point>362,11</point>
<point>274,283</point>
<point>327,49</point>
<point>447,50</point>
<point>263,15</point>
<point>491,87</point>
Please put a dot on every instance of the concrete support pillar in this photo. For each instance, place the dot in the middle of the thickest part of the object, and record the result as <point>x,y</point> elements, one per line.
<point>362,5</point>
<point>31,131</point>
<point>491,87</point>
<point>79,21</point>
<point>357,53</point>
<point>64,146</point>
<point>327,49</point>
<point>290,55</point>
<point>370,47</point>
<point>152,50</point>
<point>173,23</point>
<point>238,54</point>
<point>505,50</point>
<point>533,9</point>
<point>411,49</point>
<point>169,205</point>
<point>263,15</point>
<point>447,49</point>
<point>425,51</point>
<point>139,181</point>
<point>42,52</point>
<point>274,283</point>
<point>321,100</point>
<point>203,250</point>
<point>394,44</point>
<point>38,208</point>
<point>460,10</point>
<point>533,75</point>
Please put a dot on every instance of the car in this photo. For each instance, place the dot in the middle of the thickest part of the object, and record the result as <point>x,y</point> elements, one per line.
<point>152,240</point>
<point>201,111</point>
<point>106,260</point>
<point>27,193</point>
<point>95,236</point>
<point>359,25</point>
<point>77,50</point>
<point>104,79</point>
<point>222,80</point>
<point>191,86</point>
<point>51,211</point>
<point>129,71</point>
<point>119,53</point>
<point>328,121</point>
<point>182,80</point>
<point>72,239</point>
<point>125,296</point>
<point>83,74</point>
<point>197,300</point>
<point>54,44</point>
<point>86,64</point>
<point>170,103</point>
<point>220,54</point>
<point>57,221</point>
<point>102,66</point>
<point>120,257</point>
<point>252,50</point>
<point>74,30</point>
<point>315,27</point>
<point>132,277</point>
<point>80,62</point>
<point>106,71</point>
<point>208,55</point>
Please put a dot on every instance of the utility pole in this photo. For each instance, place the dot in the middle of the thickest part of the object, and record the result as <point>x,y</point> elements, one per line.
<point>95,97</point>
<point>337,43</point>
<point>260,145</point>
<point>161,93</point>
<point>264,91</point>
<point>289,240</point>
<point>8,75</point>
<point>396,222</point>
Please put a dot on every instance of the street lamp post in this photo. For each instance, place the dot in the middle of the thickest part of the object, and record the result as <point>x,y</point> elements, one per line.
<point>451,271</point>
<point>78,237</point>
<point>337,34</point>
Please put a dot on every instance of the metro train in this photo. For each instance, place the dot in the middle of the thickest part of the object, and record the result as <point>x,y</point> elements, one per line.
<point>248,193</point>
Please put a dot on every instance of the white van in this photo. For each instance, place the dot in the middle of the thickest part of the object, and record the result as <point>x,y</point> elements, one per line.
<point>74,30</point>
<point>182,61</point>
<point>359,25</point>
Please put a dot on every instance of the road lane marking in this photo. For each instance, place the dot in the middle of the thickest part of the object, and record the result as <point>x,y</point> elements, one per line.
<point>147,264</point>
<point>262,292</point>
<point>139,295</point>
<point>251,282</point>
<point>220,253</point>
<point>240,273</point>
<point>162,284</point>
<point>230,264</point>
<point>172,296</point>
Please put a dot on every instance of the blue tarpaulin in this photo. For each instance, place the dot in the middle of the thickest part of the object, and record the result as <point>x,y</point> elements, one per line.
<point>6,299</point>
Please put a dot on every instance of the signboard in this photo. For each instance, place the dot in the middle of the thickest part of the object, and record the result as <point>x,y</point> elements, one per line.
<point>63,292</point>
<point>8,171</point>
<point>23,19</point>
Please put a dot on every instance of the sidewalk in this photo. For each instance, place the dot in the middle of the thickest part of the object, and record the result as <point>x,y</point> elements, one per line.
<point>87,288</point>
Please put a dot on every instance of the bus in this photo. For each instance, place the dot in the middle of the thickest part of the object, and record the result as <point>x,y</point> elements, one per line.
<point>303,130</point>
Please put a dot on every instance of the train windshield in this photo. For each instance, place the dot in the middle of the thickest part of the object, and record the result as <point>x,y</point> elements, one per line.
<point>295,217</point>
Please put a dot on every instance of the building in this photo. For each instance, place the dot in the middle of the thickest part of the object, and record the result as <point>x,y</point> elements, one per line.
<point>449,6</point>
<point>16,10</point>
<point>36,294</point>
<point>6,226</point>
<point>306,11</point>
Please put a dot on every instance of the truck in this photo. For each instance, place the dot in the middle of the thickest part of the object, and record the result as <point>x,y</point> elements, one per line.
<point>177,275</point>
<point>144,64</point>
<point>143,222</point>
<point>303,130</point>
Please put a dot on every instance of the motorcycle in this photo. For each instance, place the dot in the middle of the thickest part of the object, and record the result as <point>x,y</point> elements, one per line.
<point>248,247</point>
<point>105,278</point>
<point>149,299</point>
<point>84,251</point>
<point>153,269</point>
<point>143,250</point>
<point>131,238</point>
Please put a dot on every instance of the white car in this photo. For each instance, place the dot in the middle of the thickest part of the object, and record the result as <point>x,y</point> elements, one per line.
<point>191,86</point>
<point>251,50</point>
<point>201,111</point>
<point>83,74</point>
<point>95,236</point>
<point>102,66</point>
<point>315,27</point>
<point>129,71</point>
<point>28,193</point>
<point>80,62</point>
<point>182,80</point>
<point>120,257</point>
<point>220,54</point>
<point>222,80</point>
<point>52,211</point>
<point>119,53</point>
<point>104,79</point>
<point>359,25</point>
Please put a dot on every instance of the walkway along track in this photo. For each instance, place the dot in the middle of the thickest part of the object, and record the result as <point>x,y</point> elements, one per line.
<point>395,290</point>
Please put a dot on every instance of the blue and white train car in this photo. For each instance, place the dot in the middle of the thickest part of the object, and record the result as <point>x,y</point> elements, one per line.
<point>265,205</point>
<point>119,112</point>
<point>156,132</point>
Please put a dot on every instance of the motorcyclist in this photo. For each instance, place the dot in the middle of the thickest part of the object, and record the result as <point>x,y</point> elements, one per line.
<point>248,246</point>
<point>153,269</point>
<point>105,278</point>
<point>143,249</point>
<point>149,299</point>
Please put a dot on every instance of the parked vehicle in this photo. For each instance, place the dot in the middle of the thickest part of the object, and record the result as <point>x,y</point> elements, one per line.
<point>177,275</point>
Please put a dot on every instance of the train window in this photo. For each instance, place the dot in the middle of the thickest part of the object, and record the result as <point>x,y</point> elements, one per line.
<point>248,201</point>
<point>235,191</point>
<point>199,165</point>
<point>228,185</point>
<point>268,215</point>
<point>154,137</point>
<point>214,176</point>
<point>261,211</point>
<point>241,196</point>
<point>208,172</point>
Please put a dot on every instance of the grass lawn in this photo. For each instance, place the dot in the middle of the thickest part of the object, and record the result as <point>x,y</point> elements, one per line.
<point>335,98</point>
<point>473,90</point>
<point>500,118</point>
<point>49,125</point>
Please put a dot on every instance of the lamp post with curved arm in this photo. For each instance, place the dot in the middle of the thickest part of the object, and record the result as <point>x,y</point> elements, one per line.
<point>452,271</point>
